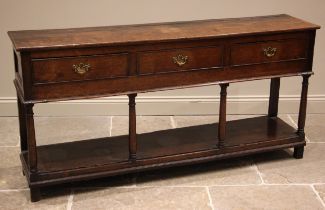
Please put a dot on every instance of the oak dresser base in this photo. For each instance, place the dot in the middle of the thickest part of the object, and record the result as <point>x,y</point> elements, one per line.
<point>69,64</point>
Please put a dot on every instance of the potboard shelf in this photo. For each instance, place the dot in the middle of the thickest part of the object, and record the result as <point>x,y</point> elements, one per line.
<point>200,140</point>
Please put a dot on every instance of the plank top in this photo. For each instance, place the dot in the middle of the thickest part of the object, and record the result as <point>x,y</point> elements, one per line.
<point>155,32</point>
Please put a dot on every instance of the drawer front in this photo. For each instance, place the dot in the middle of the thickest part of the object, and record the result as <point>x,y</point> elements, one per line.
<point>56,70</point>
<point>126,85</point>
<point>180,59</point>
<point>268,51</point>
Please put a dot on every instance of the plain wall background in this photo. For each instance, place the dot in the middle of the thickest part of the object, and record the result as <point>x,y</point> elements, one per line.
<point>45,14</point>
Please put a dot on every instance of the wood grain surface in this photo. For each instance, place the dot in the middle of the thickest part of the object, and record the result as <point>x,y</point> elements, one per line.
<point>112,35</point>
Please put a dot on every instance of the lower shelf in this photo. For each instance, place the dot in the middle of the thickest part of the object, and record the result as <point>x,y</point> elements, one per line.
<point>100,157</point>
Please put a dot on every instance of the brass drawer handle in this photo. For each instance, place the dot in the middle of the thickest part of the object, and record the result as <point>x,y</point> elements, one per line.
<point>269,51</point>
<point>81,68</point>
<point>180,60</point>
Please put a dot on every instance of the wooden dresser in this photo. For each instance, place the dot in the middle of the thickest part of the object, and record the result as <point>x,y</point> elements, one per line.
<point>67,64</point>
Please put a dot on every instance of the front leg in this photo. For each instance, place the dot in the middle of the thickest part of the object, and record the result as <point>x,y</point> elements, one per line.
<point>298,152</point>
<point>35,194</point>
<point>31,141</point>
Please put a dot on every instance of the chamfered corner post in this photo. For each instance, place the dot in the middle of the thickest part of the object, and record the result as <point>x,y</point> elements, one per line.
<point>31,141</point>
<point>32,150</point>
<point>274,97</point>
<point>222,115</point>
<point>299,150</point>
<point>132,128</point>
<point>22,125</point>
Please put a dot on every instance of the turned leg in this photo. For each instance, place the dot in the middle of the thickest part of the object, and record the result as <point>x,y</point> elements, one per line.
<point>303,106</point>
<point>222,115</point>
<point>35,194</point>
<point>274,97</point>
<point>132,128</point>
<point>299,151</point>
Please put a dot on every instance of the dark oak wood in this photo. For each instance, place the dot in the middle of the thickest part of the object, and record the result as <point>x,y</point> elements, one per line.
<point>286,49</point>
<point>85,157</point>
<point>303,105</point>
<point>31,141</point>
<point>35,194</point>
<point>71,90</point>
<point>67,64</point>
<point>113,35</point>
<point>132,128</point>
<point>274,97</point>
<point>298,152</point>
<point>222,115</point>
<point>54,70</point>
<point>198,58</point>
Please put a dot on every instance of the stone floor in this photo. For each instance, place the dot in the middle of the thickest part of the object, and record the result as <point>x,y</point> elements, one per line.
<point>267,181</point>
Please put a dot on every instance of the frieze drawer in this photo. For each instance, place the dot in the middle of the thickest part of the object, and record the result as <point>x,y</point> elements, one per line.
<point>57,70</point>
<point>268,51</point>
<point>184,59</point>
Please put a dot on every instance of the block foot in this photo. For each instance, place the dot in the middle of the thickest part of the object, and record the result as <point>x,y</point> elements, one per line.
<point>35,194</point>
<point>298,152</point>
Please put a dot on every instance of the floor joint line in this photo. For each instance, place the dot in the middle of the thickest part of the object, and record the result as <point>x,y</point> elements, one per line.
<point>258,172</point>
<point>320,142</point>
<point>200,186</point>
<point>14,190</point>
<point>317,195</point>
<point>210,198</point>
<point>9,146</point>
